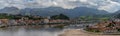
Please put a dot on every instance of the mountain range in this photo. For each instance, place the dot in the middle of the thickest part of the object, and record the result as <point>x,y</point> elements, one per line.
<point>10,10</point>
<point>76,12</point>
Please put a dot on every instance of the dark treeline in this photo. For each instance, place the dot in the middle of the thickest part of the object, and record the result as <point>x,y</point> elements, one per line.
<point>19,16</point>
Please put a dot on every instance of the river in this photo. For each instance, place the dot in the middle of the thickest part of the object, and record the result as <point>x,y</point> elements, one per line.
<point>35,31</point>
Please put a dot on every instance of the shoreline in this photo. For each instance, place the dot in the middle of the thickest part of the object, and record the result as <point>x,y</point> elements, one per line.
<point>79,32</point>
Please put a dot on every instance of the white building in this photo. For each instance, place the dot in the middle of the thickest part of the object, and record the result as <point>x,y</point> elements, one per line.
<point>46,20</point>
<point>12,22</point>
<point>117,20</point>
<point>0,22</point>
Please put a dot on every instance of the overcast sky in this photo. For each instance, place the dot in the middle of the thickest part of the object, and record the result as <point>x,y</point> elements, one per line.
<point>107,5</point>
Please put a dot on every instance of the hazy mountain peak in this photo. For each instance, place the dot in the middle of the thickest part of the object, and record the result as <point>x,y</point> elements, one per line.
<point>76,12</point>
<point>10,10</point>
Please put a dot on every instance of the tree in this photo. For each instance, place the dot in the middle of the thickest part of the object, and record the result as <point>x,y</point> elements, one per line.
<point>60,16</point>
<point>118,16</point>
<point>82,17</point>
<point>111,25</point>
<point>118,30</point>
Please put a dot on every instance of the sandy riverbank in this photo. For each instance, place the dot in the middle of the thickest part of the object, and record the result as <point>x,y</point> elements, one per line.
<point>77,32</point>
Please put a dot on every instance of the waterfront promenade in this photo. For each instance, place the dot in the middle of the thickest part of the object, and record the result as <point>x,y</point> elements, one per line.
<point>45,24</point>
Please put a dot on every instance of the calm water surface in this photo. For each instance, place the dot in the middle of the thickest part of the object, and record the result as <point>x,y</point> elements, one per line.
<point>35,31</point>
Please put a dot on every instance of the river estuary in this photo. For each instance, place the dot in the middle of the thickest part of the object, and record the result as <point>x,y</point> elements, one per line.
<point>36,31</point>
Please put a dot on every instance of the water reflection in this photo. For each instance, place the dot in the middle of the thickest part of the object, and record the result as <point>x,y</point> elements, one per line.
<point>22,31</point>
<point>37,30</point>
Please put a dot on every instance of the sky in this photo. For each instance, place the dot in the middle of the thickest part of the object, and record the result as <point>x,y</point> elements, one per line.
<point>107,5</point>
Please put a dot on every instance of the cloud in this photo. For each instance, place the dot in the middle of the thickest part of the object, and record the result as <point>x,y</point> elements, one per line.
<point>107,5</point>
<point>110,6</point>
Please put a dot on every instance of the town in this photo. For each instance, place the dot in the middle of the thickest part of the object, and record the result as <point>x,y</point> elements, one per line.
<point>111,26</point>
<point>6,19</point>
<point>103,24</point>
